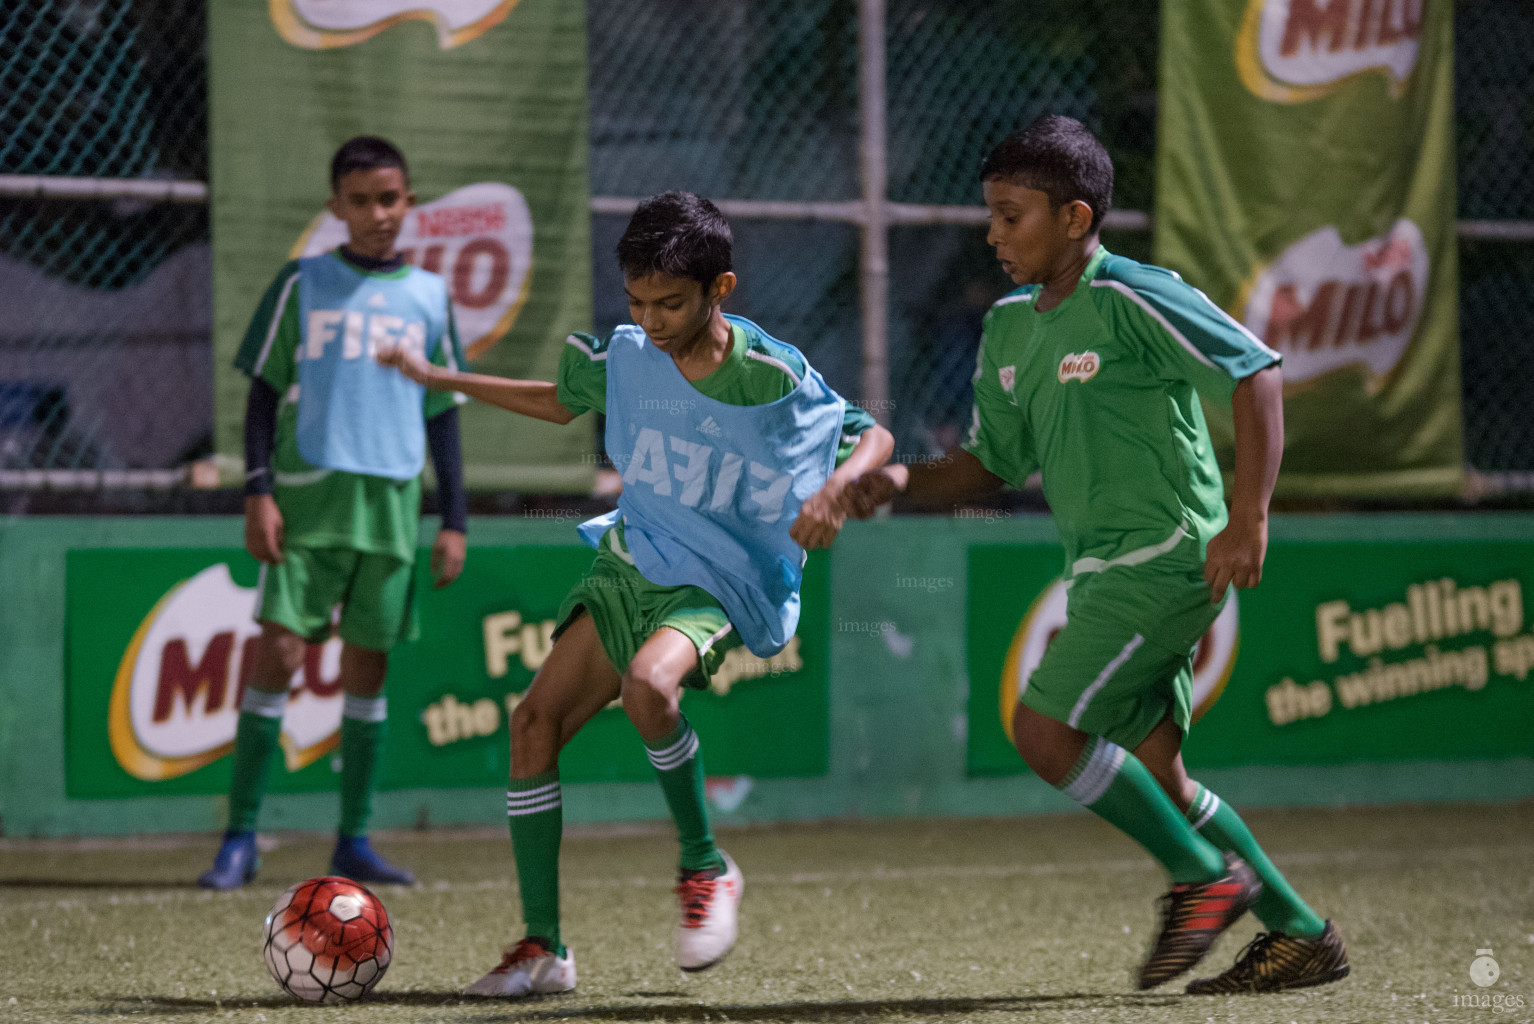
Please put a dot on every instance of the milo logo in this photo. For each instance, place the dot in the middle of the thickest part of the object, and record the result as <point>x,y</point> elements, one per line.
<point>1325,305</point>
<point>176,696</point>
<point>479,237</point>
<point>1081,367</point>
<point>327,24</point>
<point>1292,51</point>
<point>1213,658</point>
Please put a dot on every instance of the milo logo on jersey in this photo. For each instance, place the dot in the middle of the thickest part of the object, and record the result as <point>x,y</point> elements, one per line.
<point>176,695</point>
<point>1213,658</point>
<point>327,24</point>
<point>479,237</point>
<point>1325,305</point>
<point>706,478</point>
<point>1292,51</point>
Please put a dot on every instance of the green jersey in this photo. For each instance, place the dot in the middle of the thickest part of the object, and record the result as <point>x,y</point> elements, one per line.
<point>326,508</point>
<point>1101,394</point>
<point>755,372</point>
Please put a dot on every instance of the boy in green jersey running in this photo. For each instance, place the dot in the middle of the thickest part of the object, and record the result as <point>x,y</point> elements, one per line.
<point>334,448</point>
<point>733,453</point>
<point>1091,372</point>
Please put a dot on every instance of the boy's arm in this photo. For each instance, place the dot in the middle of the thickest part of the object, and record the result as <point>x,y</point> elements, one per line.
<point>535,398</point>
<point>821,516</point>
<point>263,520</point>
<point>450,548</point>
<point>1236,553</point>
<point>955,477</point>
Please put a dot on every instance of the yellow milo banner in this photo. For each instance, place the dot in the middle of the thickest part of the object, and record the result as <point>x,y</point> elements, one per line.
<point>487,99</point>
<point>1305,181</point>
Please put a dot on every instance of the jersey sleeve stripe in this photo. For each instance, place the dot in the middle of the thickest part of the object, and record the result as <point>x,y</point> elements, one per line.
<point>271,330</point>
<point>593,355</point>
<point>1237,324</point>
<point>1156,315</point>
<point>770,361</point>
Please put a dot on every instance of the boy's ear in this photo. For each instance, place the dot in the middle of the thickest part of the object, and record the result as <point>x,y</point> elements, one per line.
<point>410,199</point>
<point>1078,220</point>
<point>721,289</point>
<point>333,204</point>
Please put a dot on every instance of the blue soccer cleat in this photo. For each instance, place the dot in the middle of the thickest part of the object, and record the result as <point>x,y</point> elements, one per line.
<point>356,859</point>
<point>236,863</point>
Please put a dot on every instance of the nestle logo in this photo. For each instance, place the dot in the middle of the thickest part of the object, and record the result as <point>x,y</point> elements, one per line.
<point>454,221</point>
<point>1079,367</point>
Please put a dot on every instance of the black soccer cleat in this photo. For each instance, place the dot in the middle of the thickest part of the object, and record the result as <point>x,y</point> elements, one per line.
<point>1274,961</point>
<point>1194,916</point>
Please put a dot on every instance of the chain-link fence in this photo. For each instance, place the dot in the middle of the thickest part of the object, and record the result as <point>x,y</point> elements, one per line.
<point>104,353</point>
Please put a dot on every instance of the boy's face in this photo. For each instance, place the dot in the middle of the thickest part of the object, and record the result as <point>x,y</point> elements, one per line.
<point>1032,241</point>
<point>674,311</point>
<point>373,204</point>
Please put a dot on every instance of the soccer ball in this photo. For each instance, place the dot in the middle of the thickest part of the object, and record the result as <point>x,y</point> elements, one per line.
<point>328,940</point>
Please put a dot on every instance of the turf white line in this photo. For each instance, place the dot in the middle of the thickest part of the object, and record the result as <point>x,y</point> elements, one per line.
<point>265,894</point>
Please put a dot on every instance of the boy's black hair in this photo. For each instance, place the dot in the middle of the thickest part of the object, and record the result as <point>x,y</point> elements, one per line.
<point>366,153</point>
<point>1058,156</point>
<point>677,234</point>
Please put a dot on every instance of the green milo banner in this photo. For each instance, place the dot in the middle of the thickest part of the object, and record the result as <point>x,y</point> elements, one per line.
<point>487,99</point>
<point>1348,651</point>
<point>1305,181</point>
<point>159,643</point>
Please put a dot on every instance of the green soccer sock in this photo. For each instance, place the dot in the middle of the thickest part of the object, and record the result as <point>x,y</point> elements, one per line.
<point>679,766</point>
<point>533,810</point>
<point>1279,907</point>
<point>255,740</point>
<point>363,725</point>
<point>1116,786</point>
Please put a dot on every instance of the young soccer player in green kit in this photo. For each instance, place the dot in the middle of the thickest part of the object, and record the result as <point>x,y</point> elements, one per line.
<point>1091,372</point>
<point>733,453</point>
<point>334,447</point>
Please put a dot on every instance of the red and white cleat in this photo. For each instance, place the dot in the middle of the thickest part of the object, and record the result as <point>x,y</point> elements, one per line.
<point>528,968</point>
<point>710,915</point>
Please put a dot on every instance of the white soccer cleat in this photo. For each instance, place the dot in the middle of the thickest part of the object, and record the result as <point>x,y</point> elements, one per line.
<point>710,917</point>
<point>527,969</point>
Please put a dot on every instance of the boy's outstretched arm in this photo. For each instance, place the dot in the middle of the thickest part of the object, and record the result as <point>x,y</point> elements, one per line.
<point>1236,553</point>
<point>956,477</point>
<point>822,514</point>
<point>536,398</point>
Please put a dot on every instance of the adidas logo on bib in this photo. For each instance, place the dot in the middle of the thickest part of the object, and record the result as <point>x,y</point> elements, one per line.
<point>709,427</point>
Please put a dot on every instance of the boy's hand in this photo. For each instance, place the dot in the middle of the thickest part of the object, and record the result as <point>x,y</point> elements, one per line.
<point>447,556</point>
<point>263,529</point>
<point>862,498</point>
<point>820,519</point>
<point>1235,556</point>
<point>407,362</point>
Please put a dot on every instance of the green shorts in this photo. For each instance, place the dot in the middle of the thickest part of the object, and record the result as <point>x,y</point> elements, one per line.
<point>376,594</point>
<point>1124,660</point>
<point>627,609</point>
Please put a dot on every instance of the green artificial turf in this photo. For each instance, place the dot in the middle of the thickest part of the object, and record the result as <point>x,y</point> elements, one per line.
<point>1037,919</point>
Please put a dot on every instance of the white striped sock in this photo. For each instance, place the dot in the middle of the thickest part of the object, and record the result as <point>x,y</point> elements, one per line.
<point>260,702</point>
<point>674,756</point>
<point>533,801</point>
<point>365,709</point>
<point>1097,774</point>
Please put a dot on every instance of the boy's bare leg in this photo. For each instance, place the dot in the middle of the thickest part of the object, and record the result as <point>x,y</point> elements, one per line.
<point>573,684</point>
<point>710,884</point>
<point>279,653</point>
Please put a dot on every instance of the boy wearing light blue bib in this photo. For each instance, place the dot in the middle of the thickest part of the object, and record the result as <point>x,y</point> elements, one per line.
<point>733,453</point>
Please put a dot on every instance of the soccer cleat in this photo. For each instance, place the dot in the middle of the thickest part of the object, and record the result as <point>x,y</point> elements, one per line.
<point>236,863</point>
<point>356,859</point>
<point>1194,916</point>
<point>528,968</point>
<point>1274,961</point>
<point>710,911</point>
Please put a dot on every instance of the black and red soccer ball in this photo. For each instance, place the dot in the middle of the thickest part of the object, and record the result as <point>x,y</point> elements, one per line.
<point>328,940</point>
